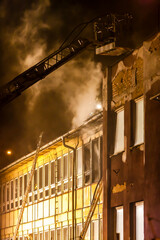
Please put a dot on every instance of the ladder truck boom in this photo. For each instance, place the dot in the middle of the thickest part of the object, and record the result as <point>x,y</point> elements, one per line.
<point>14,88</point>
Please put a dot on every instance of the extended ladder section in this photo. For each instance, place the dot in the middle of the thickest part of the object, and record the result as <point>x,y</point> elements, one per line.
<point>95,199</point>
<point>39,71</point>
<point>28,188</point>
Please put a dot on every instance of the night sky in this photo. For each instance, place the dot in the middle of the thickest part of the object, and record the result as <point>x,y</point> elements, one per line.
<point>31,30</point>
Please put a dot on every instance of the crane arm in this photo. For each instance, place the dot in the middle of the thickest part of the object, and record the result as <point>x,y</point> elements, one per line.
<point>14,88</point>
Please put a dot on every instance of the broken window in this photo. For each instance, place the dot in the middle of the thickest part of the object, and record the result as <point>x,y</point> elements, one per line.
<point>95,160</point>
<point>119,135</point>
<point>86,163</point>
<point>139,122</point>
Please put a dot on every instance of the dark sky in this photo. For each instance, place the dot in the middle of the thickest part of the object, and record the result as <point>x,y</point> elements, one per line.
<point>29,31</point>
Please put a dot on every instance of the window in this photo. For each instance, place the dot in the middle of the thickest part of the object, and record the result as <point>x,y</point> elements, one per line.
<point>25,182</point>
<point>7,188</point>
<point>53,172</point>
<point>95,160</point>
<point>40,236</point>
<point>65,233</point>
<point>119,223</point>
<point>35,180</point>
<point>41,182</point>
<point>70,169</point>
<point>79,167</point>
<point>119,134</point>
<point>86,163</point>
<point>58,234</point>
<point>78,230</point>
<point>101,229</point>
<point>65,171</point>
<point>4,196</point>
<point>139,122</point>
<point>65,166</point>
<point>16,192</point>
<point>35,185</point>
<point>139,221</point>
<point>52,235</point>
<point>46,235</point>
<point>53,178</point>
<point>46,182</point>
<point>31,189</point>
<point>46,175</point>
<point>35,236</point>
<point>94,230</point>
<point>59,166</point>
<point>12,191</point>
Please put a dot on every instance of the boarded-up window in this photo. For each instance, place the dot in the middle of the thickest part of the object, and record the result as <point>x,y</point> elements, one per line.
<point>140,221</point>
<point>86,163</point>
<point>65,166</point>
<point>46,175</point>
<point>139,122</point>
<point>52,172</point>
<point>119,223</point>
<point>119,134</point>
<point>95,161</point>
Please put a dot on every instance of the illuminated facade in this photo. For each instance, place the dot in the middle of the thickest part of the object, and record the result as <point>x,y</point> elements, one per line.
<point>48,214</point>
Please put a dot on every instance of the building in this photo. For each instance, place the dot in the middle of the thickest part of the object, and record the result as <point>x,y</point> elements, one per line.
<point>129,135</point>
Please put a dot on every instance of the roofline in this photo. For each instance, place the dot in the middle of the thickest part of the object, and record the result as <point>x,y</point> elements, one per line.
<point>59,139</point>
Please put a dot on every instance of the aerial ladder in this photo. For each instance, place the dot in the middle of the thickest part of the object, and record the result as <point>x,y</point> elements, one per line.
<point>107,31</point>
<point>107,28</point>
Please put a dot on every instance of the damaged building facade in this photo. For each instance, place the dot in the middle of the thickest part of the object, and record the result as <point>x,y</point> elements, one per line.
<point>121,146</point>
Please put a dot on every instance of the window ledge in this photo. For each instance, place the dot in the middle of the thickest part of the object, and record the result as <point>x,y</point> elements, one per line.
<point>116,153</point>
<point>139,145</point>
